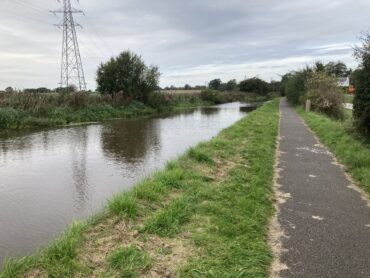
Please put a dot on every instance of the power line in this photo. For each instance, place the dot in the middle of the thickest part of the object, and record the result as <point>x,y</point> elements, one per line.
<point>97,33</point>
<point>30,6</point>
<point>24,16</point>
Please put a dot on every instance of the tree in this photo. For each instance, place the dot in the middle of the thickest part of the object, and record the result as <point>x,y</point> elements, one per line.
<point>215,84</point>
<point>231,85</point>
<point>274,86</point>
<point>337,69</point>
<point>319,66</point>
<point>254,85</point>
<point>284,80</point>
<point>294,84</point>
<point>187,87</point>
<point>9,90</point>
<point>361,101</point>
<point>129,75</point>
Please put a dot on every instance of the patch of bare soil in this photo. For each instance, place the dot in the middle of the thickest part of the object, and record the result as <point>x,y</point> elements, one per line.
<point>276,233</point>
<point>36,273</point>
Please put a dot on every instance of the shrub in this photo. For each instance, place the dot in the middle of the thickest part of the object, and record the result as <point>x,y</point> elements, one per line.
<point>361,101</point>
<point>212,96</point>
<point>8,117</point>
<point>326,97</point>
<point>159,101</point>
<point>129,75</point>
<point>294,87</point>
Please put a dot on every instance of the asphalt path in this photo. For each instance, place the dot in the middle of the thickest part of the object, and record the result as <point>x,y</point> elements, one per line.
<point>326,222</point>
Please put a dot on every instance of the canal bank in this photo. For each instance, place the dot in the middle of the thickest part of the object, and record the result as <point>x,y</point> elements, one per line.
<point>19,111</point>
<point>69,173</point>
<point>205,213</point>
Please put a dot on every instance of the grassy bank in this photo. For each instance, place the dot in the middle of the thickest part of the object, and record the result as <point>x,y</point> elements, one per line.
<point>11,118</point>
<point>26,110</point>
<point>204,215</point>
<point>20,110</point>
<point>350,149</point>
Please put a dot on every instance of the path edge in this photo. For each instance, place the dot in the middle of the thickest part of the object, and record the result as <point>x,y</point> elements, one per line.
<point>276,232</point>
<point>353,184</point>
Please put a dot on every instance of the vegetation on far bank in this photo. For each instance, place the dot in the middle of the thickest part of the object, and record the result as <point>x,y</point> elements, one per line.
<point>206,215</point>
<point>350,148</point>
<point>25,110</point>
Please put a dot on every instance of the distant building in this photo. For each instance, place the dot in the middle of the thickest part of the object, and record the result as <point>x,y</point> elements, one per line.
<point>343,81</point>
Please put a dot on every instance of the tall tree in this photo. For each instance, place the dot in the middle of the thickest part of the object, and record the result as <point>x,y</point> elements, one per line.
<point>231,85</point>
<point>129,75</point>
<point>215,84</point>
<point>337,69</point>
<point>361,102</point>
<point>254,85</point>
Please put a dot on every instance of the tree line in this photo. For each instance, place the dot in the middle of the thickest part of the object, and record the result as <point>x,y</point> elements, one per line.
<point>318,83</point>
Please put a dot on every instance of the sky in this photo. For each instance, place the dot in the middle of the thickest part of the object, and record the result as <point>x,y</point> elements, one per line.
<point>192,41</point>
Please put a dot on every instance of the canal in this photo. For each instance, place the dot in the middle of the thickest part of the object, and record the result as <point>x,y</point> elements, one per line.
<point>50,178</point>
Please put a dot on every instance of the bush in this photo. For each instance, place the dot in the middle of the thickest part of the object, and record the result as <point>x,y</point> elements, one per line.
<point>254,85</point>
<point>8,117</point>
<point>325,96</point>
<point>129,75</point>
<point>361,101</point>
<point>212,96</point>
<point>294,87</point>
<point>159,101</point>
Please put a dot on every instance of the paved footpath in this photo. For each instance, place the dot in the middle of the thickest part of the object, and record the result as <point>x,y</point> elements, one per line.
<point>325,222</point>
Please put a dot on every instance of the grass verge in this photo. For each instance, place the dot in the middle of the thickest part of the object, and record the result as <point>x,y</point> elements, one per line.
<point>205,215</point>
<point>351,150</point>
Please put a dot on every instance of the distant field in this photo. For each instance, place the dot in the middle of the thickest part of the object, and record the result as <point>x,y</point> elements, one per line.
<point>174,92</point>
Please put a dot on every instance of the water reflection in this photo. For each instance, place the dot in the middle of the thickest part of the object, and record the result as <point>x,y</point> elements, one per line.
<point>209,111</point>
<point>49,178</point>
<point>129,141</point>
<point>79,160</point>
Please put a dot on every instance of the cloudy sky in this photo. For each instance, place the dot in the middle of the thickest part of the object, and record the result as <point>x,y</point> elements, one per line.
<point>192,41</point>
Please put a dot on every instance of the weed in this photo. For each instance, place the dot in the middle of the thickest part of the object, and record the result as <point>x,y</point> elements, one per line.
<point>167,222</point>
<point>129,261</point>
<point>124,204</point>
<point>200,156</point>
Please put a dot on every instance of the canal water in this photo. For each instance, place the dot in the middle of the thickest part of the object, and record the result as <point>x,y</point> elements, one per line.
<point>50,178</point>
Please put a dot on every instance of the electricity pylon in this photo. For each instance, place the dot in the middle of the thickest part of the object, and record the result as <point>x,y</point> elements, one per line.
<point>72,73</point>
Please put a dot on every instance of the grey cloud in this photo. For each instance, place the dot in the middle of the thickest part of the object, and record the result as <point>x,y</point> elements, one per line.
<point>191,41</point>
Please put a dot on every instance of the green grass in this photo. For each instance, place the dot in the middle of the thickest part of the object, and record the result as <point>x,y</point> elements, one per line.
<point>219,193</point>
<point>350,149</point>
<point>348,98</point>
<point>129,261</point>
<point>168,221</point>
<point>231,220</point>
<point>58,259</point>
<point>200,156</point>
<point>123,204</point>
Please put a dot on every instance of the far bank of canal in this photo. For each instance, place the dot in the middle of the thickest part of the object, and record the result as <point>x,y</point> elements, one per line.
<point>50,178</point>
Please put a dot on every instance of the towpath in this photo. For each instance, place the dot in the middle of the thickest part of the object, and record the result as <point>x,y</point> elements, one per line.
<point>326,221</point>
